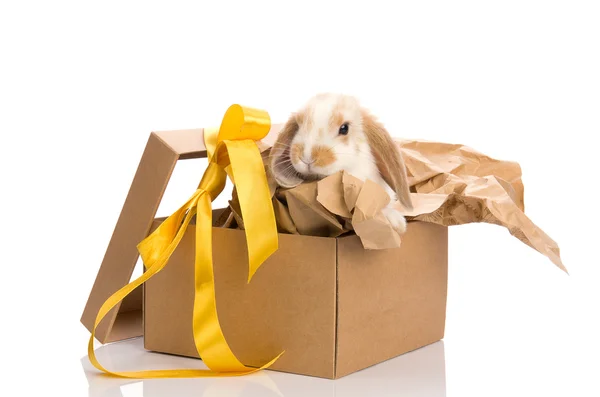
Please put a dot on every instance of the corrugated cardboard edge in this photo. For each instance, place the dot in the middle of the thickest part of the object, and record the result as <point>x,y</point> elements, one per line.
<point>337,299</point>
<point>162,152</point>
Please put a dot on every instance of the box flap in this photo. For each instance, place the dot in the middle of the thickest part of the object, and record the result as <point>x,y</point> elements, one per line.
<point>162,152</point>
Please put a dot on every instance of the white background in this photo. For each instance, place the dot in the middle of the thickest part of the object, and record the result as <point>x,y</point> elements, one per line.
<point>82,84</point>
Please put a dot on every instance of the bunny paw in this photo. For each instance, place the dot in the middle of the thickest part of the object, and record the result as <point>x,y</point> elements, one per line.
<point>395,218</point>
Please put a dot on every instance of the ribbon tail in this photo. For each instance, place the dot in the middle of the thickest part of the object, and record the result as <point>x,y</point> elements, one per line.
<point>156,249</point>
<point>208,336</point>
<point>255,202</point>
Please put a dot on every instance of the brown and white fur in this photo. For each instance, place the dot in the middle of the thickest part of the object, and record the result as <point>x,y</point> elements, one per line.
<point>314,144</point>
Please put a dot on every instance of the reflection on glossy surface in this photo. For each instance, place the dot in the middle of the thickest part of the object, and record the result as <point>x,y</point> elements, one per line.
<point>419,373</point>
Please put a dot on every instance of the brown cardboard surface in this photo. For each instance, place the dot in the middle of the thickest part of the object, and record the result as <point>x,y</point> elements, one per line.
<point>314,297</point>
<point>289,305</point>
<point>390,301</point>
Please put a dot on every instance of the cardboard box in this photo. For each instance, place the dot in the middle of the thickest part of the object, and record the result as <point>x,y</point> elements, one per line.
<point>334,307</point>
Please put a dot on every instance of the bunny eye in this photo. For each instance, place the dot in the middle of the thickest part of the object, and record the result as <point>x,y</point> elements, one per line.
<point>343,129</point>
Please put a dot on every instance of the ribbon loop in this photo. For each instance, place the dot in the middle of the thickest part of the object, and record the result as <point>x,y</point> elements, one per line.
<point>239,123</point>
<point>232,151</point>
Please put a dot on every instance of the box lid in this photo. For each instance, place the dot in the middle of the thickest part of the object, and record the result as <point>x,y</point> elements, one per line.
<point>162,152</point>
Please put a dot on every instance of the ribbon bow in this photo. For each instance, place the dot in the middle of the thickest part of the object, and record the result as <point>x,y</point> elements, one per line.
<point>231,151</point>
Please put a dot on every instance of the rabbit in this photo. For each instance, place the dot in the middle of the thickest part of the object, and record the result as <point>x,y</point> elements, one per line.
<point>331,133</point>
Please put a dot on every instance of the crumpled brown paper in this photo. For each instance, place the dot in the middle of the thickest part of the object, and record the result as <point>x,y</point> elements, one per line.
<point>450,185</point>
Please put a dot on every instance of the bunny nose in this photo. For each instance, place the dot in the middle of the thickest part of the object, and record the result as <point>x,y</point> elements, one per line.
<point>306,162</point>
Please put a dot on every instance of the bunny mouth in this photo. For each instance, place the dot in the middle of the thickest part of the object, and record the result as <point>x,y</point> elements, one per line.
<point>311,176</point>
<point>306,171</point>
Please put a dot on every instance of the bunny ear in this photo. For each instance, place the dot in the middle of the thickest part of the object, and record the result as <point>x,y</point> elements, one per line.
<point>281,163</point>
<point>388,158</point>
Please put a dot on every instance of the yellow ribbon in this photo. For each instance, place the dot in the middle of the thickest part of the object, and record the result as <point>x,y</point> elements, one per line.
<point>232,151</point>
